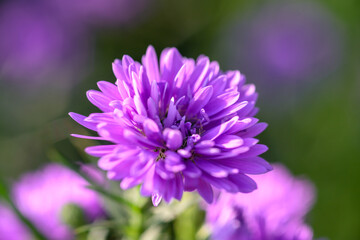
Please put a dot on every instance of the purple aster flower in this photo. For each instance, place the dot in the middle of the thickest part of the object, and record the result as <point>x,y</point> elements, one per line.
<point>275,211</point>
<point>182,127</point>
<point>11,228</point>
<point>41,196</point>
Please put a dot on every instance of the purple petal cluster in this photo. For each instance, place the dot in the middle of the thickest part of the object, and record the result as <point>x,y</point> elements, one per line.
<point>182,126</point>
<point>275,211</point>
<point>11,228</point>
<point>41,196</point>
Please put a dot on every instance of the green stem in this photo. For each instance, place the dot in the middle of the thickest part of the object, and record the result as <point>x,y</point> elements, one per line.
<point>116,198</point>
<point>88,227</point>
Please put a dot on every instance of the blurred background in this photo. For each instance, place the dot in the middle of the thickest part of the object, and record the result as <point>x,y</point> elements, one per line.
<point>303,56</point>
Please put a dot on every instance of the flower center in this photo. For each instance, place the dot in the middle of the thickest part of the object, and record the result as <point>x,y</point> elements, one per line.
<point>161,155</point>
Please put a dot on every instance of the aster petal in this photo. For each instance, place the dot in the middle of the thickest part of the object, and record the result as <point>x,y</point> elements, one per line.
<point>208,151</point>
<point>219,85</point>
<point>123,89</point>
<point>254,130</point>
<point>130,182</point>
<point>101,150</point>
<point>198,75</point>
<point>255,151</point>
<point>214,169</point>
<point>205,144</point>
<point>205,191</point>
<point>249,142</point>
<point>159,185</point>
<point>229,141</point>
<point>173,162</point>
<point>88,137</point>
<point>136,84</point>
<point>190,184</point>
<point>169,190</point>
<point>248,90</point>
<point>147,188</point>
<point>118,70</point>
<point>170,63</point>
<point>179,186</point>
<point>174,188</point>
<point>138,139</point>
<point>140,106</point>
<point>232,153</point>
<point>244,183</point>
<point>156,199</point>
<point>184,153</point>
<point>244,112</point>
<point>221,183</point>
<point>145,160</point>
<point>110,90</point>
<point>101,117</point>
<point>172,112</point>
<point>81,120</point>
<point>180,79</point>
<point>253,165</point>
<point>154,93</point>
<point>150,62</point>
<point>118,159</point>
<point>200,99</point>
<point>221,102</point>
<point>191,170</point>
<point>117,170</point>
<point>111,132</point>
<point>173,138</point>
<point>163,172</point>
<point>99,100</point>
<point>109,162</point>
<point>126,63</point>
<point>235,79</point>
<point>242,125</point>
<point>215,69</point>
<point>217,131</point>
<point>253,112</point>
<point>152,130</point>
<point>230,110</point>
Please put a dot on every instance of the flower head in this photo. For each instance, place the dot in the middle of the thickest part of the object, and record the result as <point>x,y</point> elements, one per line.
<point>43,195</point>
<point>184,126</point>
<point>275,211</point>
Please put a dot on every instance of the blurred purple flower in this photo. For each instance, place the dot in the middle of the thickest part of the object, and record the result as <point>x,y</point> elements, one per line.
<point>41,196</point>
<point>34,43</point>
<point>275,211</point>
<point>11,228</point>
<point>186,126</point>
<point>113,12</point>
<point>287,41</point>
